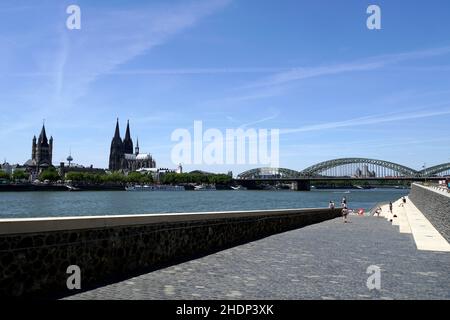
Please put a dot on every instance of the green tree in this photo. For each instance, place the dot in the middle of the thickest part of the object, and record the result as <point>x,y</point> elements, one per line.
<point>142,178</point>
<point>20,175</point>
<point>115,177</point>
<point>86,177</point>
<point>147,178</point>
<point>4,176</point>
<point>49,174</point>
<point>135,177</point>
<point>177,178</point>
<point>74,176</point>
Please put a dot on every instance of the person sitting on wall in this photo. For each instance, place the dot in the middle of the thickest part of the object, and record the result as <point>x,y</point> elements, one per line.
<point>378,211</point>
<point>402,204</point>
<point>331,205</point>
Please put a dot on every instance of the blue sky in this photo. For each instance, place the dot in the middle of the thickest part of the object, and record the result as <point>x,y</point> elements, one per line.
<point>310,68</point>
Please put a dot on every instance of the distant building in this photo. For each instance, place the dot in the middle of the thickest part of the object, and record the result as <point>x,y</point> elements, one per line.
<point>364,173</point>
<point>7,168</point>
<point>123,158</point>
<point>41,153</point>
<point>64,168</point>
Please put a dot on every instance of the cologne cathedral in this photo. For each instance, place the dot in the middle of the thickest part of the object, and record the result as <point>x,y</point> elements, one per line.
<point>122,156</point>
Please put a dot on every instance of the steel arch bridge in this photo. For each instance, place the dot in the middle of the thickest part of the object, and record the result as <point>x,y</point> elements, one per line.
<point>328,169</point>
<point>318,169</point>
<point>261,173</point>
<point>436,170</point>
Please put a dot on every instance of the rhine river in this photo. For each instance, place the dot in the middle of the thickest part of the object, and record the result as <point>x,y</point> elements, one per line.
<point>57,204</point>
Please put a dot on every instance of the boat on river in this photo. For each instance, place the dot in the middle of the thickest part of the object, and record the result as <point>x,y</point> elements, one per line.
<point>205,187</point>
<point>238,188</point>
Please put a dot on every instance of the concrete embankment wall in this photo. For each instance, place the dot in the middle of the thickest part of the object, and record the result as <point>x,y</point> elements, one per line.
<point>434,205</point>
<point>35,253</point>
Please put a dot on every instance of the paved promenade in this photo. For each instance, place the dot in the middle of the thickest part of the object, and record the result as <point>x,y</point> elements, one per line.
<point>323,261</point>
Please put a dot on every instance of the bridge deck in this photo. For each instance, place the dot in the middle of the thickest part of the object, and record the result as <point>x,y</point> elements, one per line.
<point>323,261</point>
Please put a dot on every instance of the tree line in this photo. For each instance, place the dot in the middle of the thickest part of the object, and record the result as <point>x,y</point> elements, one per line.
<point>115,177</point>
<point>52,175</point>
<point>17,175</point>
<point>197,178</point>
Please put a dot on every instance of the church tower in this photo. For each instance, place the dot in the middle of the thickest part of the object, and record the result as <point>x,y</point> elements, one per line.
<point>123,157</point>
<point>50,149</point>
<point>33,149</point>
<point>136,150</point>
<point>42,150</point>
<point>116,154</point>
<point>127,142</point>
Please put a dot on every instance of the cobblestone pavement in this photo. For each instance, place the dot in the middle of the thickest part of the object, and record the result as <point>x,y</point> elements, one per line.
<point>323,261</point>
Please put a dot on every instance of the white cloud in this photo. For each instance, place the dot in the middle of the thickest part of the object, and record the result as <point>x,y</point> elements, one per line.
<point>370,120</point>
<point>64,64</point>
<point>116,37</point>
<point>265,119</point>
<point>368,64</point>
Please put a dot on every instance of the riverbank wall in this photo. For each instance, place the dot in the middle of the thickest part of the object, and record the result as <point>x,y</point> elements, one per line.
<point>35,254</point>
<point>28,187</point>
<point>434,205</point>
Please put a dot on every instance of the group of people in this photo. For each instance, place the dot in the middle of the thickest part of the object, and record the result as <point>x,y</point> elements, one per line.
<point>391,208</point>
<point>378,211</point>
<point>344,207</point>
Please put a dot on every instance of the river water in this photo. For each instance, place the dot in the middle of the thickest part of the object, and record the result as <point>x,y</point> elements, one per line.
<point>53,204</point>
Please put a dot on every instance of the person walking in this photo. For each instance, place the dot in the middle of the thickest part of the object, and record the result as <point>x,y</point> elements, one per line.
<point>344,203</point>
<point>390,207</point>
<point>344,214</point>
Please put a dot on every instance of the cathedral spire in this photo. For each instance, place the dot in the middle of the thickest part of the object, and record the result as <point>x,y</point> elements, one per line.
<point>116,152</point>
<point>117,133</point>
<point>127,133</point>
<point>127,142</point>
<point>43,136</point>
<point>136,150</point>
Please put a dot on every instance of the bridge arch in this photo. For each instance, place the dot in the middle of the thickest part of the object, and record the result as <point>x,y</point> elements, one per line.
<point>261,173</point>
<point>321,168</point>
<point>443,169</point>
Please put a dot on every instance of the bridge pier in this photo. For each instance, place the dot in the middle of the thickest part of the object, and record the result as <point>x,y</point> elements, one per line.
<point>301,185</point>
